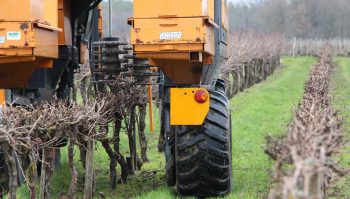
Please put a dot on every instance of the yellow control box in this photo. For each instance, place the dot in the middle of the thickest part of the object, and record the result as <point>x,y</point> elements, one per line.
<point>28,29</point>
<point>28,39</point>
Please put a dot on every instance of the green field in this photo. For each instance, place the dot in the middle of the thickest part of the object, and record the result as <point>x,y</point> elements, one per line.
<point>341,92</point>
<point>265,109</point>
<point>262,110</point>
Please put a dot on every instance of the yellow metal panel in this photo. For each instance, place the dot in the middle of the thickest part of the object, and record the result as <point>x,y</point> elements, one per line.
<point>100,21</point>
<point>45,63</point>
<point>50,12</point>
<point>193,35</point>
<point>36,10</point>
<point>165,55</point>
<point>11,10</point>
<point>173,8</point>
<point>149,30</point>
<point>64,37</point>
<point>46,43</point>
<point>180,71</point>
<point>163,48</point>
<point>15,59</point>
<point>61,4</point>
<point>2,98</point>
<point>29,27</point>
<point>22,10</point>
<point>64,22</point>
<point>61,35</point>
<point>209,45</point>
<point>184,109</point>
<point>23,38</point>
<point>211,9</point>
<point>13,52</point>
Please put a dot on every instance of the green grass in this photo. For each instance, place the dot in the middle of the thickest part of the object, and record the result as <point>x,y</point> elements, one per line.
<point>341,92</point>
<point>264,109</point>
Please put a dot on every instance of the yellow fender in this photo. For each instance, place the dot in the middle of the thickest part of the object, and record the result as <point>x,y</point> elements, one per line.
<point>188,106</point>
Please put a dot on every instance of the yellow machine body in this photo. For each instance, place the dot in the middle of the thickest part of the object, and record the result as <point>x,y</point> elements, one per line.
<point>29,38</point>
<point>179,39</point>
<point>184,109</point>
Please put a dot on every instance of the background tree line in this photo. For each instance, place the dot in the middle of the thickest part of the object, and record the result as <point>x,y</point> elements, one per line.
<point>294,18</point>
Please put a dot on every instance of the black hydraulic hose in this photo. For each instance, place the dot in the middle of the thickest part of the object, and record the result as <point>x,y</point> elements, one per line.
<point>94,4</point>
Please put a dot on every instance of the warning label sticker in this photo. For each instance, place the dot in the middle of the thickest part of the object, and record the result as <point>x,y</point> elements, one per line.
<point>13,36</point>
<point>170,35</point>
<point>2,39</point>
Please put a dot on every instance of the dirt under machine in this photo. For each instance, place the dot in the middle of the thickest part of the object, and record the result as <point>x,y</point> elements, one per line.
<point>42,44</point>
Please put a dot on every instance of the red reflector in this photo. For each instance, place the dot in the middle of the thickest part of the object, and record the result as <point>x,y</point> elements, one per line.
<point>201,96</point>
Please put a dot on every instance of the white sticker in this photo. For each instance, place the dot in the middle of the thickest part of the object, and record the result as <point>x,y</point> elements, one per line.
<point>13,36</point>
<point>170,35</point>
<point>2,39</point>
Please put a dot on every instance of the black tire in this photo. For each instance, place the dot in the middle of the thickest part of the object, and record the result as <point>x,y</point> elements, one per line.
<point>203,157</point>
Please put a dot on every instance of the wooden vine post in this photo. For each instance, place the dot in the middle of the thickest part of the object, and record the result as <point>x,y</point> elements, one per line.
<point>89,171</point>
<point>47,168</point>
<point>11,165</point>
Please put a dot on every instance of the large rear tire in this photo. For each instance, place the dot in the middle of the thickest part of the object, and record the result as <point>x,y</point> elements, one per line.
<point>203,157</point>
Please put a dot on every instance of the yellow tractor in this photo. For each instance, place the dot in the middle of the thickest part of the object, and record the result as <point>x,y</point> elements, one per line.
<point>43,42</point>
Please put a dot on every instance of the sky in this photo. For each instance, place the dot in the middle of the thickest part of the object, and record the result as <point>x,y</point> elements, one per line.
<point>240,1</point>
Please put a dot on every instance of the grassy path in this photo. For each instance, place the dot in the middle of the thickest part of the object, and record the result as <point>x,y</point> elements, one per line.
<point>261,110</point>
<point>341,93</point>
